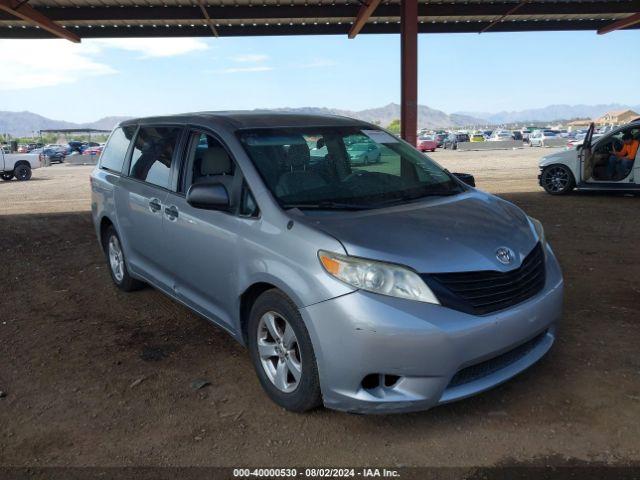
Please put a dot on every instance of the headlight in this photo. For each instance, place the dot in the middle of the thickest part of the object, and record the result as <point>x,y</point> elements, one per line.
<point>377,277</point>
<point>537,225</point>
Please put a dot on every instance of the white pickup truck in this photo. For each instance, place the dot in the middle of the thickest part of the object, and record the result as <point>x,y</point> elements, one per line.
<point>18,165</point>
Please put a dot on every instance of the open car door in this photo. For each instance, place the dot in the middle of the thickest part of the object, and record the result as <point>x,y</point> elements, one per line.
<point>585,155</point>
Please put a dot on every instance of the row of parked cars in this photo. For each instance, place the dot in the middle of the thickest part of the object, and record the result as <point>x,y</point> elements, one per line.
<point>55,152</point>
<point>429,141</point>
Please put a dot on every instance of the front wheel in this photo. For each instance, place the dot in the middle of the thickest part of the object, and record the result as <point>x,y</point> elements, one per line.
<point>7,176</point>
<point>282,353</point>
<point>557,179</point>
<point>22,173</point>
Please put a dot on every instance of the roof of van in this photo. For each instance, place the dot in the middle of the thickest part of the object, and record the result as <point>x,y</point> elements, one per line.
<point>251,119</point>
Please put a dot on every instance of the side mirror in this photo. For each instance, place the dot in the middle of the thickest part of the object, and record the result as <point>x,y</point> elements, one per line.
<point>466,178</point>
<point>208,196</point>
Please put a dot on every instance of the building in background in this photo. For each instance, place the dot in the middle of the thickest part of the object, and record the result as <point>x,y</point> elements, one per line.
<point>617,117</point>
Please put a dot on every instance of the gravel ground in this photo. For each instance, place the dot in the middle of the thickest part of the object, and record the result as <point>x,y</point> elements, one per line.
<point>94,376</point>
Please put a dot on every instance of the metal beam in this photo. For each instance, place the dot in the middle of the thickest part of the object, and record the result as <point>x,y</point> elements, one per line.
<point>511,11</point>
<point>366,10</point>
<point>26,12</point>
<point>201,30</point>
<point>622,23</point>
<point>409,70</point>
<point>205,14</point>
<point>425,11</point>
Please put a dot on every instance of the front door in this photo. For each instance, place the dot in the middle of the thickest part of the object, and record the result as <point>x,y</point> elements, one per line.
<point>204,243</point>
<point>141,199</point>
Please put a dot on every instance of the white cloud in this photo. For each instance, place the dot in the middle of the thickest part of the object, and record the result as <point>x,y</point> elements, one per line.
<point>44,63</point>
<point>245,69</point>
<point>250,58</point>
<point>154,47</point>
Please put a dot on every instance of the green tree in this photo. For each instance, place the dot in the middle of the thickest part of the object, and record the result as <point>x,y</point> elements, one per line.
<point>394,126</point>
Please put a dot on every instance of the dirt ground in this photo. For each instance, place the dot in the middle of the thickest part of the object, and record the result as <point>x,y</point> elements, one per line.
<point>94,376</point>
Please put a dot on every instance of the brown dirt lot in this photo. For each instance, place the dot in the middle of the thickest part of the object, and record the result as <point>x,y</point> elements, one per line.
<point>94,376</point>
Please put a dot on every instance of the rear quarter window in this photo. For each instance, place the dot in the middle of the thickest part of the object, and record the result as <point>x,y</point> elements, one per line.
<point>115,151</point>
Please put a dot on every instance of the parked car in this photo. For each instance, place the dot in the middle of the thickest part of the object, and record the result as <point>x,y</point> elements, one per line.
<point>453,139</point>
<point>18,165</point>
<point>92,150</point>
<point>333,275</point>
<point>51,154</point>
<point>500,136</point>
<point>440,138</point>
<point>476,137</point>
<point>585,167</point>
<point>364,152</point>
<point>538,138</point>
<point>427,143</point>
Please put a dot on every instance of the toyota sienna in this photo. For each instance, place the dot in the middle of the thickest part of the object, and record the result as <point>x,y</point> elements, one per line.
<point>384,286</point>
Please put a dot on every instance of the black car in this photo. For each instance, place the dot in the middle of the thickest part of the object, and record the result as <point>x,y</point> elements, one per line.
<point>452,140</point>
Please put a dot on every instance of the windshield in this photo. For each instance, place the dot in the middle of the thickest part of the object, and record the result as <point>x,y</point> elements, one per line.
<point>343,167</point>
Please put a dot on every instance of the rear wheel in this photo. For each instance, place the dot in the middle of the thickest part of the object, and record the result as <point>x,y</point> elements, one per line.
<point>557,179</point>
<point>22,172</point>
<point>7,176</point>
<point>116,262</point>
<point>282,353</point>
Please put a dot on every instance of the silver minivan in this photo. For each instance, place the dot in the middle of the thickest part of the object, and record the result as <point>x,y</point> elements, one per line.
<point>381,286</point>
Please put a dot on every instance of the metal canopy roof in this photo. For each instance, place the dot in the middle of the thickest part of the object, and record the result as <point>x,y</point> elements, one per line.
<point>193,18</point>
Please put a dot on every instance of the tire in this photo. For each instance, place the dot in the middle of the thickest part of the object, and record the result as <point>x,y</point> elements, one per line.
<point>7,176</point>
<point>557,179</point>
<point>22,172</point>
<point>296,395</point>
<point>120,274</point>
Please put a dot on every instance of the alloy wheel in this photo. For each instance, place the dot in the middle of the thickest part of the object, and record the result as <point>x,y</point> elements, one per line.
<point>556,179</point>
<point>279,352</point>
<point>116,259</point>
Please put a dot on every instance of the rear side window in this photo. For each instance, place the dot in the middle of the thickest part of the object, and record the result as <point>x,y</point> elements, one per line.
<point>152,154</point>
<point>116,148</point>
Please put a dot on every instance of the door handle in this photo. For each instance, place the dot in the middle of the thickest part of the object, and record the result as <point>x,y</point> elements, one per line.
<point>154,205</point>
<point>171,213</point>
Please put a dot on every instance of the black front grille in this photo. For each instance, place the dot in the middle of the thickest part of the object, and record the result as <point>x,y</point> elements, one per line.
<point>486,368</point>
<point>484,292</point>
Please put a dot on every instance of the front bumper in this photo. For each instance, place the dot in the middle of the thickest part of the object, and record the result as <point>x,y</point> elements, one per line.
<point>421,347</point>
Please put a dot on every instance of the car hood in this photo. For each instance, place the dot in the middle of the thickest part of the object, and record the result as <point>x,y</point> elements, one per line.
<point>439,234</point>
<point>563,156</point>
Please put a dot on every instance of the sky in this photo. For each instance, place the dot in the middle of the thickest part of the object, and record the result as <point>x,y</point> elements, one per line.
<point>457,72</point>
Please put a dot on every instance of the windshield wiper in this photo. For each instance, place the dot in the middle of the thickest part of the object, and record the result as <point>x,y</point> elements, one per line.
<point>410,198</point>
<point>327,205</point>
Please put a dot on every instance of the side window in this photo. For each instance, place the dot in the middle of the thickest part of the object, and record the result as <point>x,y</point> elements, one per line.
<point>207,162</point>
<point>115,150</point>
<point>152,154</point>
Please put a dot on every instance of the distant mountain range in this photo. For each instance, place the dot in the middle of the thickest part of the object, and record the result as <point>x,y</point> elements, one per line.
<point>550,113</point>
<point>383,116</point>
<point>25,123</point>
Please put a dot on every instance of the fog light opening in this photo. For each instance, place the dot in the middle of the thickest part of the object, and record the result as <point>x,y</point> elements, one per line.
<point>371,381</point>
<point>377,380</point>
<point>390,380</point>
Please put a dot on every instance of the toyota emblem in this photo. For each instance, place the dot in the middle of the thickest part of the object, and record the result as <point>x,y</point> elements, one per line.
<point>505,255</point>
